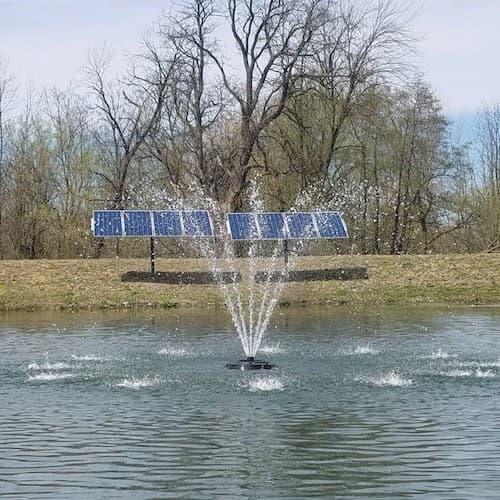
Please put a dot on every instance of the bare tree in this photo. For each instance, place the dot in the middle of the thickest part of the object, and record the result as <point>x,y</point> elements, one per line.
<point>127,113</point>
<point>360,49</point>
<point>30,209</point>
<point>194,105</point>
<point>362,45</point>
<point>6,99</point>
<point>67,115</point>
<point>488,195</point>
<point>488,135</point>
<point>270,37</point>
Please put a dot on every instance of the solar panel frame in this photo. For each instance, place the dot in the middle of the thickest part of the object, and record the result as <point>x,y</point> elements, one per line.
<point>234,216</point>
<point>184,218</point>
<point>343,226</point>
<point>127,216</point>
<point>94,223</point>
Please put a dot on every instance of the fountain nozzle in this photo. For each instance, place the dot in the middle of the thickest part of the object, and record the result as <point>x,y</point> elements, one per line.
<point>250,363</point>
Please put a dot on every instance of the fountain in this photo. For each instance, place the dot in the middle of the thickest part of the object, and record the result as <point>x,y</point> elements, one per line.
<point>252,301</point>
<point>250,304</point>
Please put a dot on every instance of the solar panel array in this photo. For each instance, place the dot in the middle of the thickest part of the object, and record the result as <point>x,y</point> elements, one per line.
<point>289,225</point>
<point>152,223</point>
<point>197,223</point>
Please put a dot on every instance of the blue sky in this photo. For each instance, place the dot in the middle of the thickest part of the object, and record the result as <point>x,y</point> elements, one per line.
<point>47,42</point>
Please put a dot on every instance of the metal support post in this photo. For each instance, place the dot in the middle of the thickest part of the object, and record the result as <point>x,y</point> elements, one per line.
<point>152,253</point>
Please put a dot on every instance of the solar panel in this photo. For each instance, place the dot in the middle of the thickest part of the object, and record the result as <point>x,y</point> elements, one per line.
<point>149,223</point>
<point>137,223</point>
<point>242,226</point>
<point>107,223</point>
<point>196,223</point>
<point>167,223</point>
<point>330,225</point>
<point>290,225</point>
<point>301,225</point>
<point>271,225</point>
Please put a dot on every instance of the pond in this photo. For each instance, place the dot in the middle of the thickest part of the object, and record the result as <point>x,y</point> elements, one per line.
<point>363,404</point>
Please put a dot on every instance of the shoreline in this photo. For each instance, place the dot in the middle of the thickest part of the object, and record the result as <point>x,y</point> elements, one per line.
<point>86,285</point>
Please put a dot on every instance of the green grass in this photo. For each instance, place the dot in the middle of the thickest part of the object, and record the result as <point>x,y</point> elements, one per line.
<point>96,284</point>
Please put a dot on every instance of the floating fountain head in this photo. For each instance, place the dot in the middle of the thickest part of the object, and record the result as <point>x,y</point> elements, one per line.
<point>250,363</point>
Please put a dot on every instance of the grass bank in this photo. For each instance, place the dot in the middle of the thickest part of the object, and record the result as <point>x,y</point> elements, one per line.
<point>402,280</point>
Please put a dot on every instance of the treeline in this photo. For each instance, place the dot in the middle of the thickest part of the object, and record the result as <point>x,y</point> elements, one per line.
<point>316,103</point>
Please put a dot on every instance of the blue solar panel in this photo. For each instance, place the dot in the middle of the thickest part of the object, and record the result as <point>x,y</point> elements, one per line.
<point>151,223</point>
<point>167,223</point>
<point>272,226</point>
<point>137,223</point>
<point>290,225</point>
<point>196,223</point>
<point>301,225</point>
<point>330,225</point>
<point>107,223</point>
<point>243,226</point>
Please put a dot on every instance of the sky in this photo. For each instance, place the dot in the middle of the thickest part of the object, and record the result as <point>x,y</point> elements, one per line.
<point>47,42</point>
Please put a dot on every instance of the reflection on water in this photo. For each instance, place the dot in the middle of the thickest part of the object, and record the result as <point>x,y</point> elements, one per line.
<point>391,403</point>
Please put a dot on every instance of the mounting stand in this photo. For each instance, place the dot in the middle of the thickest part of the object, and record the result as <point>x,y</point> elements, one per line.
<point>152,254</point>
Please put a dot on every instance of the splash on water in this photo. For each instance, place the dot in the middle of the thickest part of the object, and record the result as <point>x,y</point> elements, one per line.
<point>489,364</point>
<point>49,376</point>
<point>264,384</point>
<point>391,379</point>
<point>365,349</point>
<point>58,365</point>
<point>90,357</point>
<point>175,352</point>
<point>440,354</point>
<point>139,383</point>
<point>478,364</point>
<point>360,349</point>
<point>456,373</point>
<point>484,374</point>
<point>478,373</point>
<point>272,349</point>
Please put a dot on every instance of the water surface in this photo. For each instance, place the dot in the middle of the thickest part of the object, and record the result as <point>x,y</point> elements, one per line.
<point>364,404</point>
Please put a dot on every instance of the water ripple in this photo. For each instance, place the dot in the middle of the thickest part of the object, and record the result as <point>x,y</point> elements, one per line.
<point>104,415</point>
